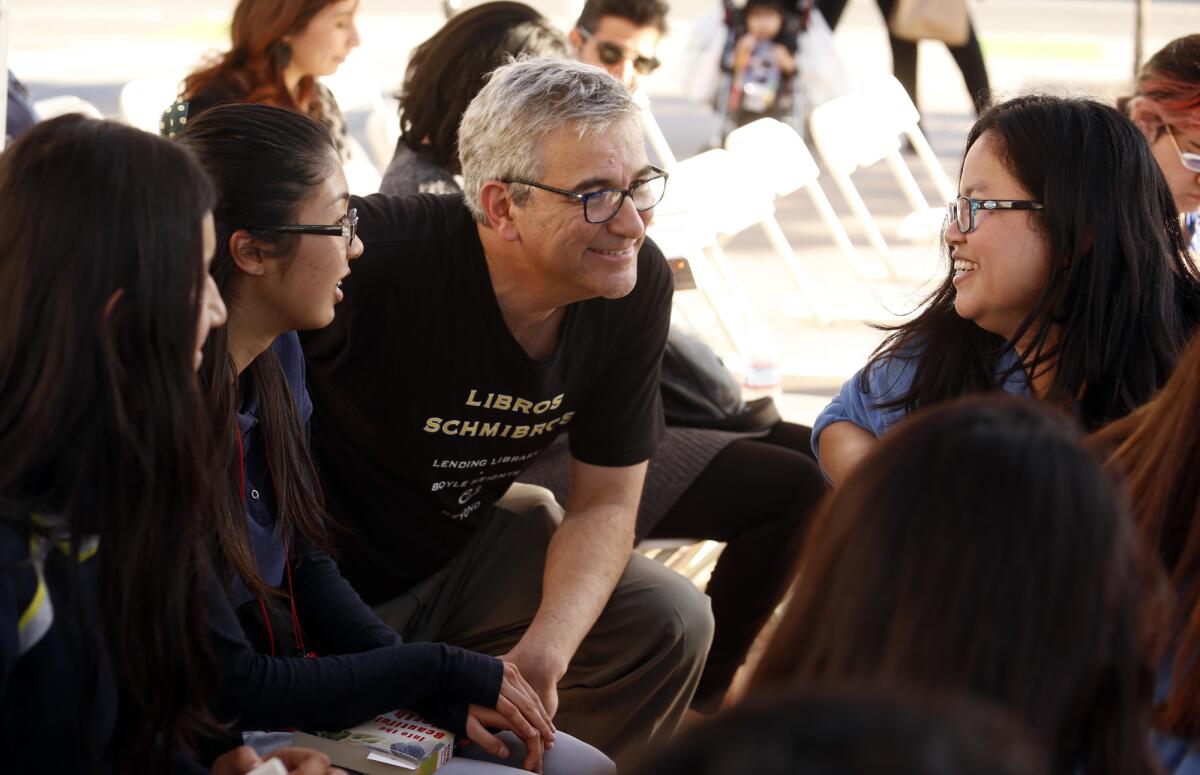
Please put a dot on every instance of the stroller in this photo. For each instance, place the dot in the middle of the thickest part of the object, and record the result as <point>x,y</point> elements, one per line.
<point>753,82</point>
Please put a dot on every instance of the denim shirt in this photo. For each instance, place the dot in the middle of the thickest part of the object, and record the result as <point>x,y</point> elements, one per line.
<point>887,380</point>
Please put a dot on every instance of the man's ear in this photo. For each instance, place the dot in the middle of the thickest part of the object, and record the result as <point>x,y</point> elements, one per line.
<point>248,255</point>
<point>498,209</point>
<point>575,38</point>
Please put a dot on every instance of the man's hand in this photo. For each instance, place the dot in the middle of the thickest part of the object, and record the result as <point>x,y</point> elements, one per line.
<point>541,671</point>
<point>480,718</point>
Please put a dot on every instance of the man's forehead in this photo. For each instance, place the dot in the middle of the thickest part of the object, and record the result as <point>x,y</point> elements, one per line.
<point>608,155</point>
<point>625,33</point>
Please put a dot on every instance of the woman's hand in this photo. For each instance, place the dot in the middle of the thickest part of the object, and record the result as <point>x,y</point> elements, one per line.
<point>480,718</point>
<point>520,711</point>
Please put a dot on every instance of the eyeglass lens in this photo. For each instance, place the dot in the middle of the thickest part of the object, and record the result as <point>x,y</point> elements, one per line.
<point>960,213</point>
<point>611,54</point>
<point>1190,161</point>
<point>604,205</point>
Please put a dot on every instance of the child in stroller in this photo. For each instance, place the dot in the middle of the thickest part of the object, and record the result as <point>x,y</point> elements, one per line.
<point>759,61</point>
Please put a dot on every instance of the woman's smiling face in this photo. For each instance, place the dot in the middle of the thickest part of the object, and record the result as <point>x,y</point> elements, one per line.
<point>1003,265</point>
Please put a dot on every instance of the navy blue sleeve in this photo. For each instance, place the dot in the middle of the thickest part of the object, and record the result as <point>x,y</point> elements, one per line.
<point>331,612</point>
<point>18,584</point>
<point>332,692</point>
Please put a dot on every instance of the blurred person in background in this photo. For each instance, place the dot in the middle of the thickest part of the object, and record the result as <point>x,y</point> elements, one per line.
<point>1166,107</point>
<point>968,57</point>
<point>621,36</point>
<point>280,50</point>
<point>444,74</point>
<point>1084,302</point>
<point>981,549</point>
<point>853,729</point>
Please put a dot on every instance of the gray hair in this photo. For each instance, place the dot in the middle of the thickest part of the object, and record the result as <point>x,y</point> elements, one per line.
<point>502,130</point>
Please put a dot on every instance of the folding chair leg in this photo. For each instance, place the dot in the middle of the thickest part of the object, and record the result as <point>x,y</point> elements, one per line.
<point>932,165</point>
<point>729,275</point>
<point>838,232</point>
<point>908,184</point>
<point>859,208</point>
<point>801,276</point>
<point>733,329</point>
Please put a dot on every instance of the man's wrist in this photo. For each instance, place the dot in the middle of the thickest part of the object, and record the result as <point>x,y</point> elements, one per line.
<point>534,654</point>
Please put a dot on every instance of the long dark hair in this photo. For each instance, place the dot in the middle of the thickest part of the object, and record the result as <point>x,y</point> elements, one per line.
<point>1157,450</point>
<point>100,415</point>
<point>253,67</point>
<point>1123,294</point>
<point>856,729</point>
<point>265,162</point>
<point>980,548</point>
<point>448,70</point>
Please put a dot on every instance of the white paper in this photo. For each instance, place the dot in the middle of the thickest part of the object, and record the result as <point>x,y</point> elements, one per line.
<point>378,757</point>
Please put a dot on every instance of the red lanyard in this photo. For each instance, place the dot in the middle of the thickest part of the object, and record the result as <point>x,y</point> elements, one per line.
<point>297,633</point>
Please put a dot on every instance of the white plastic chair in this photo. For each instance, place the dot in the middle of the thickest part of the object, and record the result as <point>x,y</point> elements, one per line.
<point>143,100</point>
<point>677,236</point>
<point>722,196</point>
<point>862,128</point>
<point>780,159</point>
<point>52,107</point>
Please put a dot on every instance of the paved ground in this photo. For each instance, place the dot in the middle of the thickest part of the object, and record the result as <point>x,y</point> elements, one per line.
<point>1064,46</point>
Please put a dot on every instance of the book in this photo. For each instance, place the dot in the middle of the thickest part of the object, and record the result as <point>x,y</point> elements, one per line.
<point>396,743</point>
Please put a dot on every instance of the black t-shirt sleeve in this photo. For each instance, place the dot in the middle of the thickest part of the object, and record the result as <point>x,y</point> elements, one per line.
<point>621,422</point>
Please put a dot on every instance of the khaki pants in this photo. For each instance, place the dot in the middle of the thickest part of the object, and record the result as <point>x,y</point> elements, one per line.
<point>633,676</point>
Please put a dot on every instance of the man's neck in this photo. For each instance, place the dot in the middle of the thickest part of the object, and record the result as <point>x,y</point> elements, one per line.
<point>531,313</point>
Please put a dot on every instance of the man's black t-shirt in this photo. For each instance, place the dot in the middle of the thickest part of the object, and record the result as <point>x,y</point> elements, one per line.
<point>427,408</point>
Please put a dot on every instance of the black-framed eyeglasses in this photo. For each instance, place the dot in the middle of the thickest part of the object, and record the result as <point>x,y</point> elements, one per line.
<point>602,206</point>
<point>961,211</point>
<point>346,227</point>
<point>610,54</point>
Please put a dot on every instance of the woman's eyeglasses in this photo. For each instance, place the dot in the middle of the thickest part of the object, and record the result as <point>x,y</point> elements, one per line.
<point>961,212</point>
<point>346,228</point>
<point>610,54</point>
<point>1190,161</point>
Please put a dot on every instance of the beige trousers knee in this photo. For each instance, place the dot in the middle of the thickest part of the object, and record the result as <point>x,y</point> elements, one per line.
<point>633,676</point>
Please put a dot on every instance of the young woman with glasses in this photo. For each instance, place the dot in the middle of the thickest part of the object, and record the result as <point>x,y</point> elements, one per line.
<point>1067,279</point>
<point>297,646</point>
<point>1166,108</point>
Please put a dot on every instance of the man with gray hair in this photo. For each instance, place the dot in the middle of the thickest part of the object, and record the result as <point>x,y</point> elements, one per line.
<point>475,330</point>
